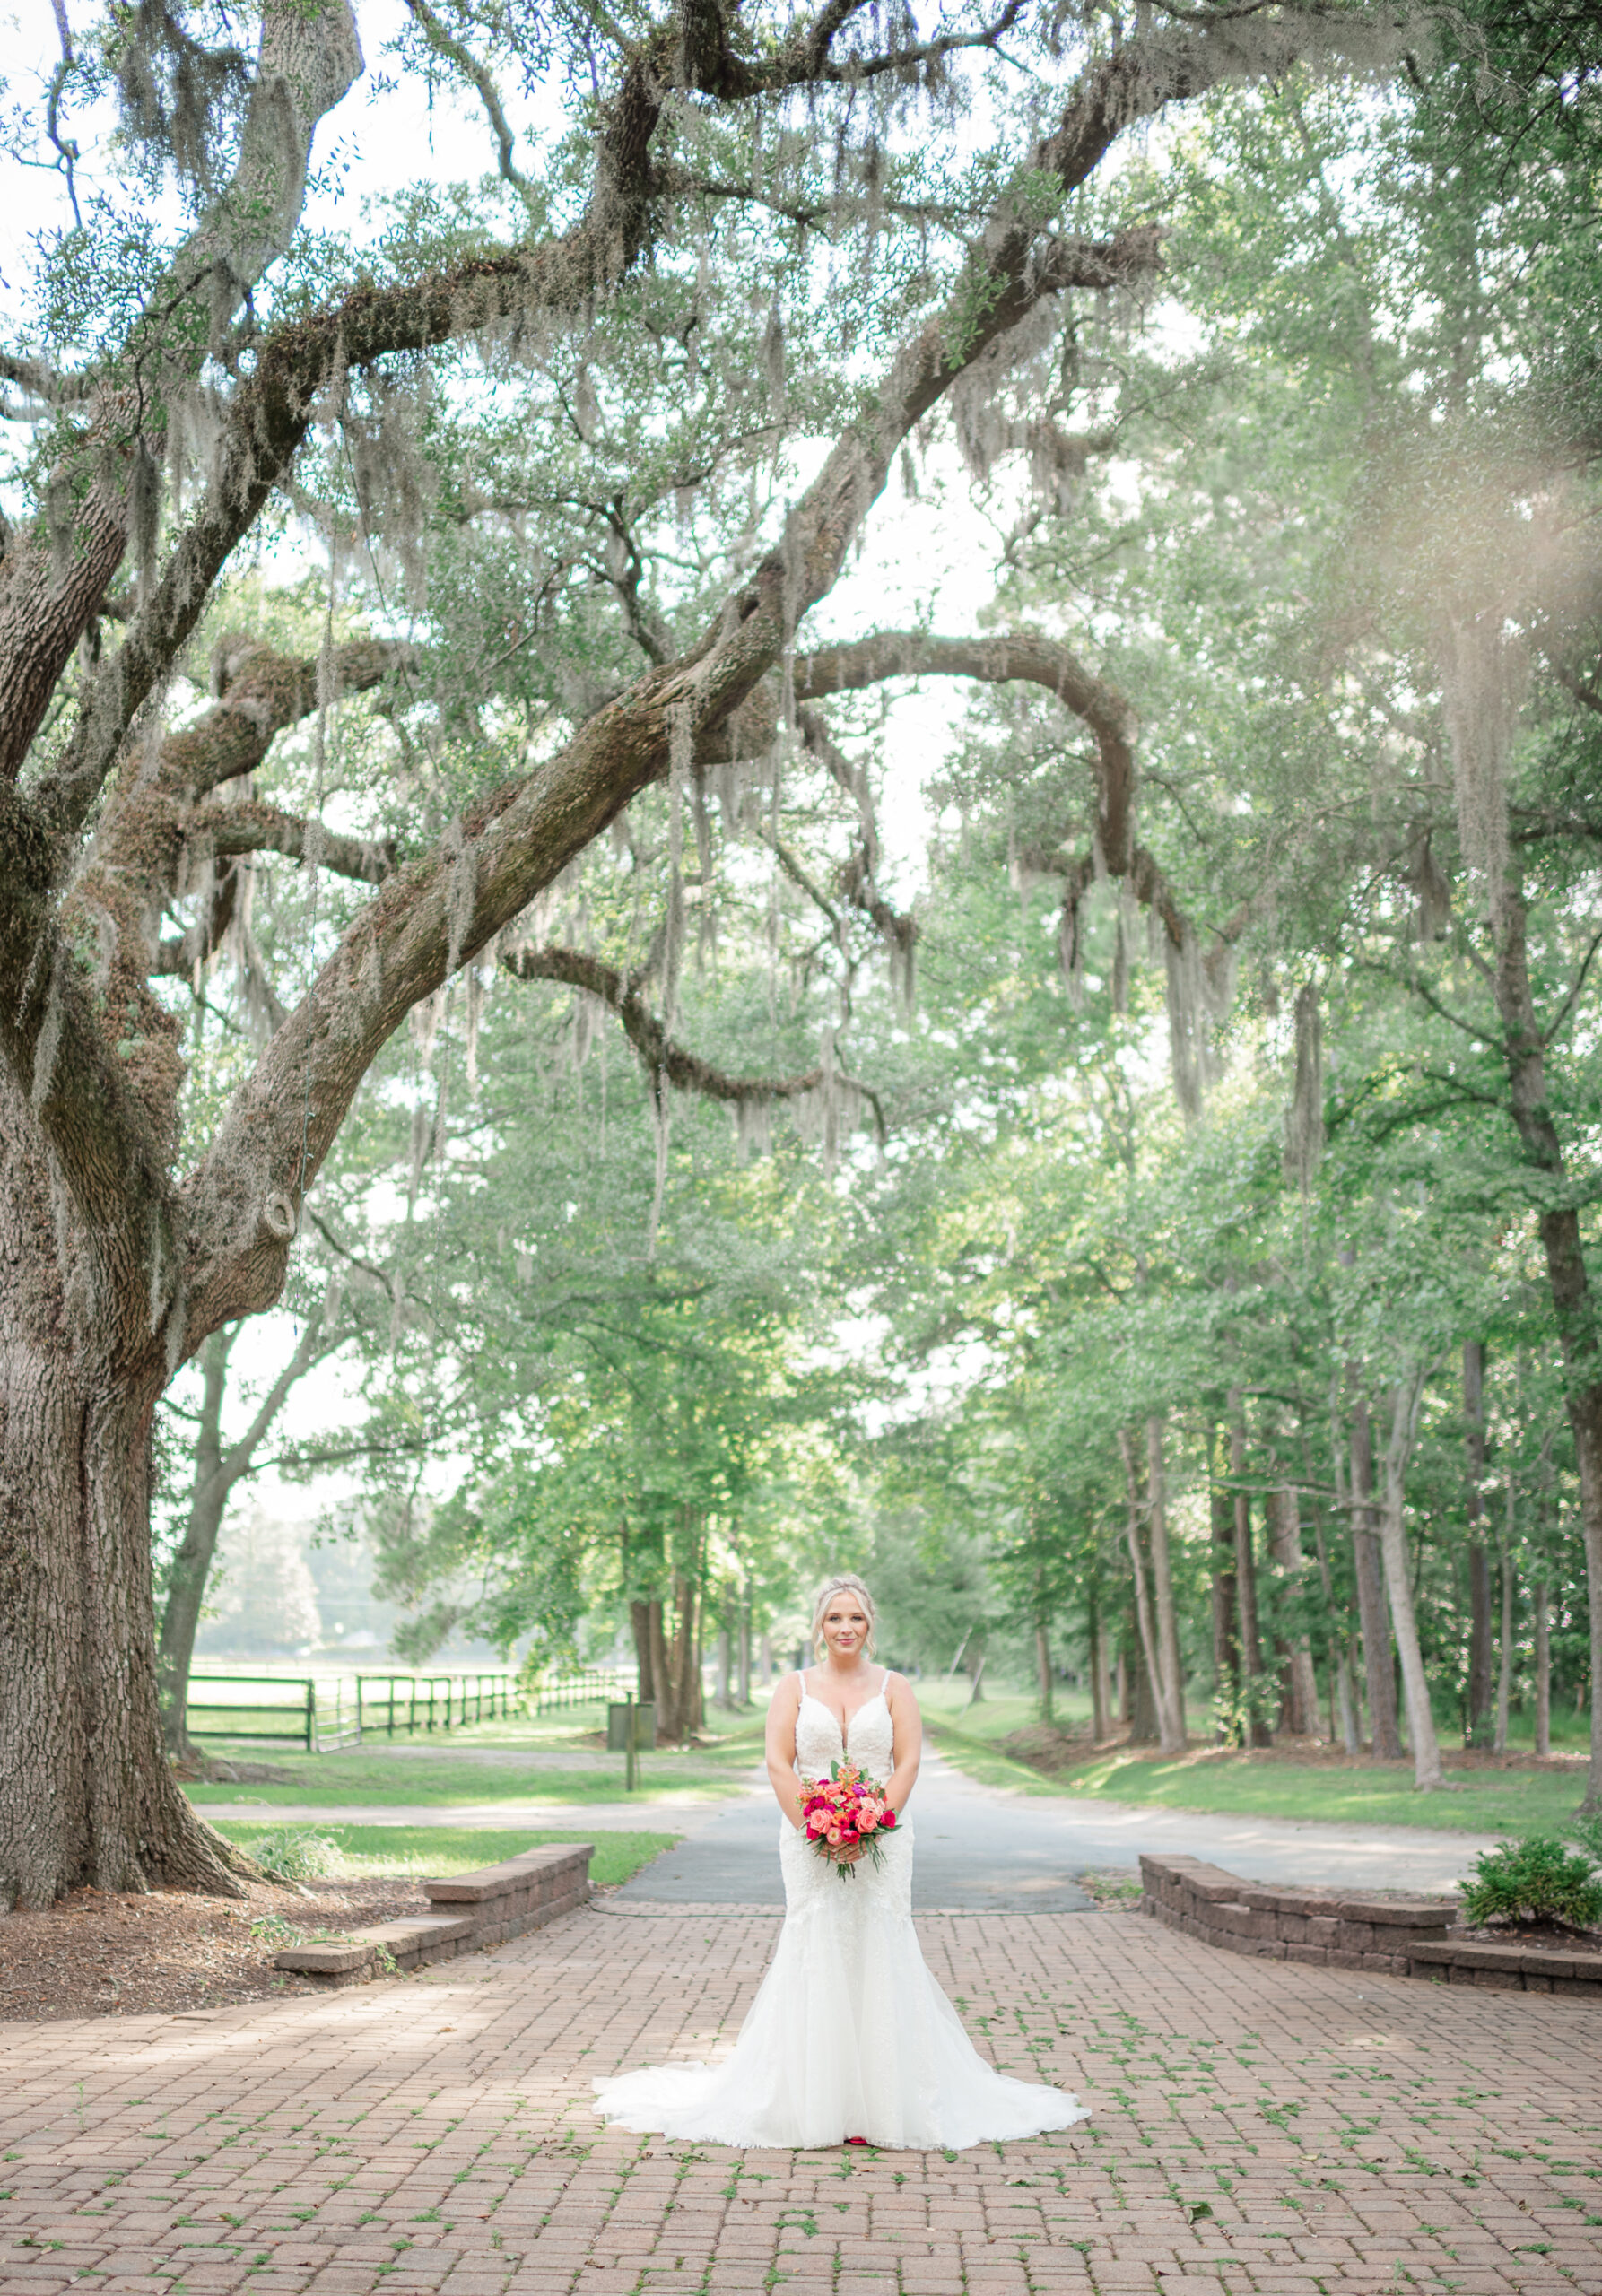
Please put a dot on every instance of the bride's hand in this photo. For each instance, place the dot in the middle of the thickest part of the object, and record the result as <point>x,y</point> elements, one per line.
<point>847,1856</point>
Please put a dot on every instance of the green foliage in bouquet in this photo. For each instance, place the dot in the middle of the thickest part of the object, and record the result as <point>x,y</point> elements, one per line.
<point>1538,1879</point>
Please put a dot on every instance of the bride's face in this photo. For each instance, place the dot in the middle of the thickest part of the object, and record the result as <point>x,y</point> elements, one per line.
<point>845,1628</point>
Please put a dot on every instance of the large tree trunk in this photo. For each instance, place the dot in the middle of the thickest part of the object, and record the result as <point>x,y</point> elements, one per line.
<point>87,1797</point>
<point>1042,1668</point>
<point>1524,1053</point>
<point>1385,1740</point>
<point>1479,1561</point>
<point>1405,1399</point>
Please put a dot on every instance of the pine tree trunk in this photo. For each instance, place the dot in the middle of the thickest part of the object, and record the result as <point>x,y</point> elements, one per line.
<point>664,1689</point>
<point>639,1620</point>
<point>1100,1727</point>
<point>1543,1668</point>
<point>1479,1562</point>
<point>1524,1055</point>
<point>1504,1666</point>
<point>1226,1646</point>
<point>1042,1666</point>
<point>685,1680</point>
<point>1340,1661</point>
<point>1151,1654</point>
<point>1170,1665</point>
<point>1405,1399</point>
<point>1379,1677</point>
<point>1300,1705</point>
<point>1258,1733</point>
<point>89,1799</point>
<point>1145,1725</point>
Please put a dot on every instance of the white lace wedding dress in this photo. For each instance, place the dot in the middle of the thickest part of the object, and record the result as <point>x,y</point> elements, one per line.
<point>849,2035</point>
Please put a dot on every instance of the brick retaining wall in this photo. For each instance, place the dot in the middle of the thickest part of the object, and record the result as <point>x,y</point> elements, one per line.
<point>484,1907</point>
<point>1346,1930</point>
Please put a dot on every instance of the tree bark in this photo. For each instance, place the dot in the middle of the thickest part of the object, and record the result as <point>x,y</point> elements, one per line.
<point>1543,1668</point>
<point>640,1620</point>
<point>745,1644</point>
<point>687,1674</point>
<point>1405,1399</point>
<point>1226,1646</point>
<point>1259,1733</point>
<point>664,1689</point>
<point>1479,1563</point>
<point>1524,1057</point>
<point>87,1799</point>
<point>1168,1732</point>
<point>1504,1661</point>
<point>1340,1645</point>
<point>1385,1740</point>
<point>1301,1708</point>
<point>1100,1725</point>
<point>1043,1666</point>
<point>1169,1656</point>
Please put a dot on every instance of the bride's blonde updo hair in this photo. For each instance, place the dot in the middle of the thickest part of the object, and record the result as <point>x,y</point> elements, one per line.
<point>848,1583</point>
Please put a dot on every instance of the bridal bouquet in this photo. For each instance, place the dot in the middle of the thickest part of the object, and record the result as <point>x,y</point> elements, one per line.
<point>846,1811</point>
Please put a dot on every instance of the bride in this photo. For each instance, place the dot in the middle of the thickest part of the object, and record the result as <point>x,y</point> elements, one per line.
<point>850,2038</point>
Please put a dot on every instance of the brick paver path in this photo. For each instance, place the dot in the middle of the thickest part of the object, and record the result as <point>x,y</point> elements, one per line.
<point>1257,2127</point>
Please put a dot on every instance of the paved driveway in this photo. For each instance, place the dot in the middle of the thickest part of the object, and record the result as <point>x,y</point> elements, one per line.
<point>978,1848</point>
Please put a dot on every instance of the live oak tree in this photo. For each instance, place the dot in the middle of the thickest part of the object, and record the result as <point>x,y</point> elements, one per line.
<point>181,385</point>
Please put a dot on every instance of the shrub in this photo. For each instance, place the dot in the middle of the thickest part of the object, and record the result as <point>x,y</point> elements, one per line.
<point>294,1853</point>
<point>1538,1879</point>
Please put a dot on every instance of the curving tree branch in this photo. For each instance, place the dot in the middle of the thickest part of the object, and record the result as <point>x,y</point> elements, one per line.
<point>620,992</point>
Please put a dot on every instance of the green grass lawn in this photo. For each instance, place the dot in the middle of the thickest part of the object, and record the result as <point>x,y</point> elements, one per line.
<point>1485,1802</point>
<point>436,1851</point>
<point>513,1760</point>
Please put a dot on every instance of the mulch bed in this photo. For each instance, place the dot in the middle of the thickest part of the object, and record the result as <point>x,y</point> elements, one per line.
<point>1543,1936</point>
<point>97,1953</point>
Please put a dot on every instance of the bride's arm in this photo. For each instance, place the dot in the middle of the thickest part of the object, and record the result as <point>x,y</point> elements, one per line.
<point>908,1724</point>
<point>782,1709</point>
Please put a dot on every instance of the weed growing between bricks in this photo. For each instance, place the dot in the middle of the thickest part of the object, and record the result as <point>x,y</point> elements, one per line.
<point>1259,2129</point>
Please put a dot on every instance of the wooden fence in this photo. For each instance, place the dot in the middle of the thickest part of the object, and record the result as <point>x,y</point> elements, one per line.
<point>299,1711</point>
<point>589,1686</point>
